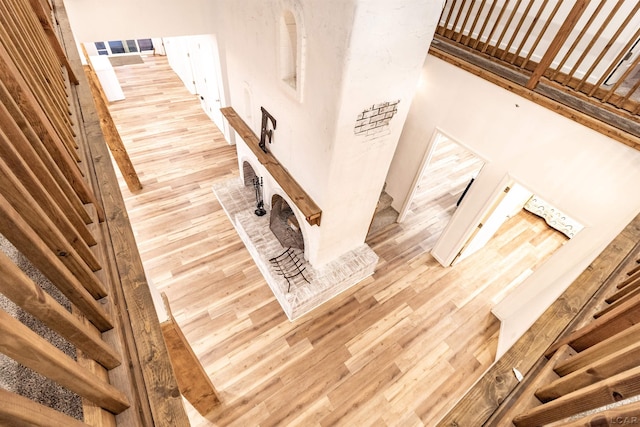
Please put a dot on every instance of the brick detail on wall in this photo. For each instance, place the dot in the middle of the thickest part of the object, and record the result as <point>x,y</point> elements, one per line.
<point>376,119</point>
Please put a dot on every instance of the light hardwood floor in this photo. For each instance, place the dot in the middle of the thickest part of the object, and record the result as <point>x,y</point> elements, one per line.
<point>397,349</point>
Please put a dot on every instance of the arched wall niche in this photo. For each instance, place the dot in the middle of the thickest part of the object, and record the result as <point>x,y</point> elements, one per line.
<point>291,46</point>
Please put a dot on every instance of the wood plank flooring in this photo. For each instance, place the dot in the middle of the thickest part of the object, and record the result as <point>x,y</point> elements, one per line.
<point>396,350</point>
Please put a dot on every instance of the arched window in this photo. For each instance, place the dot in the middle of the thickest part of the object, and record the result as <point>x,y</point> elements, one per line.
<point>289,49</point>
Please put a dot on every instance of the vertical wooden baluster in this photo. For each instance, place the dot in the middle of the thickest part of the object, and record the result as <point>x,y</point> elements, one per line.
<point>26,347</point>
<point>458,15</point>
<point>607,47</point>
<point>557,42</point>
<point>542,33</point>
<point>614,63</point>
<point>29,296</point>
<point>576,42</point>
<point>19,90</point>
<point>475,22</point>
<point>525,38</point>
<point>45,21</point>
<point>516,31</point>
<point>466,19</point>
<point>621,80</point>
<point>35,153</point>
<point>495,25</point>
<point>22,50</point>
<point>53,114</point>
<point>484,24</point>
<point>507,26</point>
<point>18,232</point>
<point>446,21</point>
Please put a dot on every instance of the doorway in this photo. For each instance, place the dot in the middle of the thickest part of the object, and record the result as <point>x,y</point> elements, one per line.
<point>445,177</point>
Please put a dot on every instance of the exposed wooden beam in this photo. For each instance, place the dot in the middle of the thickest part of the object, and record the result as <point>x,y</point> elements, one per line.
<point>112,137</point>
<point>45,21</point>
<point>193,381</point>
<point>302,200</point>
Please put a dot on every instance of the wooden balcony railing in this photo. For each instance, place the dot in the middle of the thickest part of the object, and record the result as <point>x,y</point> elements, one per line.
<point>586,49</point>
<point>61,208</point>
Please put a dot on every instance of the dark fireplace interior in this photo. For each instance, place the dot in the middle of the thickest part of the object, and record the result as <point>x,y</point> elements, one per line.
<point>284,225</point>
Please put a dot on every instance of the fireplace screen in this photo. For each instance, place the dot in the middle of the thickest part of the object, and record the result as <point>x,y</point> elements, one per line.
<point>284,225</point>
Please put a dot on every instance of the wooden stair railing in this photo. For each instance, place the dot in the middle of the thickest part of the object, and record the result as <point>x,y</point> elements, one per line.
<point>61,208</point>
<point>594,366</point>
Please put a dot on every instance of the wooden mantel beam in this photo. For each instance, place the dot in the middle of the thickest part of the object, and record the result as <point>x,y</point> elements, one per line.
<point>302,200</point>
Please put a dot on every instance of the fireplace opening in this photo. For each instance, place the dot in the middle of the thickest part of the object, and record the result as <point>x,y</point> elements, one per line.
<point>249,174</point>
<point>284,225</point>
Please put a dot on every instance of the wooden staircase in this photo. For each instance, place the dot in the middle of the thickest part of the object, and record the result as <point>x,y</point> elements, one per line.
<point>384,214</point>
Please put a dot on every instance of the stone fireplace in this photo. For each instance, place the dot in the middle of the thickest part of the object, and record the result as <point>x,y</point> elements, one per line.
<point>285,226</point>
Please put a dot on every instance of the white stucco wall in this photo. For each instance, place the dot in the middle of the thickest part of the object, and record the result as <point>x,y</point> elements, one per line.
<point>357,53</point>
<point>94,20</point>
<point>585,174</point>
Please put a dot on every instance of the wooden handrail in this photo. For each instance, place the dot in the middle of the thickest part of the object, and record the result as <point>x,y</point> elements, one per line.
<point>111,134</point>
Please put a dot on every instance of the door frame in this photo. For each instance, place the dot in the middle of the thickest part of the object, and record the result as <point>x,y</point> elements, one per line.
<point>426,160</point>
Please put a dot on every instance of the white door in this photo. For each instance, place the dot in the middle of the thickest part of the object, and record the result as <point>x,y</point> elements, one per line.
<point>202,52</point>
<point>507,204</point>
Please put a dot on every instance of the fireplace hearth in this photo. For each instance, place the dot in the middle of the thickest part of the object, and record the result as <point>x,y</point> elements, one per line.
<point>300,296</point>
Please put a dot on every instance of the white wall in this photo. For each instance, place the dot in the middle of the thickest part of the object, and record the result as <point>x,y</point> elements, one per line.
<point>107,77</point>
<point>177,51</point>
<point>583,173</point>
<point>357,53</point>
<point>95,20</point>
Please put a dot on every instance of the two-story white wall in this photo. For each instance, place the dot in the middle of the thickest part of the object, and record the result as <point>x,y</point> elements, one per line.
<point>585,174</point>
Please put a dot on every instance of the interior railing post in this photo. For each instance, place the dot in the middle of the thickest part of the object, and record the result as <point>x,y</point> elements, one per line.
<point>558,41</point>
